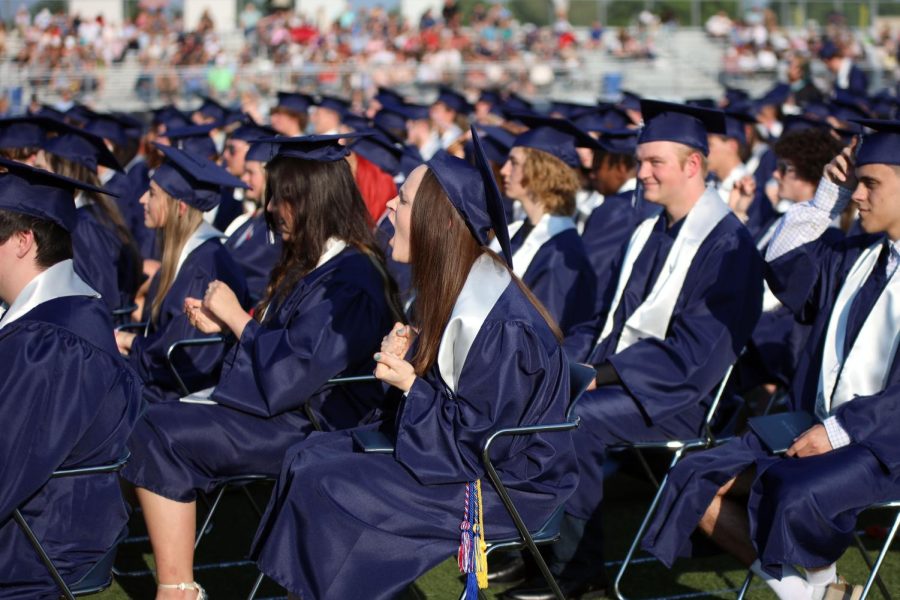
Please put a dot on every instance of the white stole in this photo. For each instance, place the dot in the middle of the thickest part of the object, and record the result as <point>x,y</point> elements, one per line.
<point>204,232</point>
<point>546,229</point>
<point>59,281</point>
<point>651,318</point>
<point>770,301</point>
<point>864,371</point>
<point>484,285</point>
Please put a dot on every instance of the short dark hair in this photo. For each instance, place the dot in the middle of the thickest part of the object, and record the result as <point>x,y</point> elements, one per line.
<point>54,244</point>
<point>808,150</point>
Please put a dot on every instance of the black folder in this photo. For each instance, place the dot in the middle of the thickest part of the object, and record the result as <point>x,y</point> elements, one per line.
<point>779,431</point>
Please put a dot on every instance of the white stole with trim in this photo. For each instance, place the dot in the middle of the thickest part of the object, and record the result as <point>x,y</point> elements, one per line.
<point>651,318</point>
<point>546,229</point>
<point>864,371</point>
<point>484,285</point>
<point>204,232</point>
<point>59,281</point>
<point>770,301</point>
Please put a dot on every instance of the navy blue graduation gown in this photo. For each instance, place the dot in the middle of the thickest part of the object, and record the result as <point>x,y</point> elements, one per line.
<point>67,400</point>
<point>230,208</point>
<point>199,367</point>
<point>802,511</point>
<point>250,248</point>
<point>343,524</point>
<point>329,325</point>
<point>99,255</point>
<point>606,234</point>
<point>666,384</point>
<point>761,213</point>
<point>561,277</point>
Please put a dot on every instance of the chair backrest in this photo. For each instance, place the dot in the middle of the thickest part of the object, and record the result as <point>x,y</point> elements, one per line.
<point>580,377</point>
<point>714,406</point>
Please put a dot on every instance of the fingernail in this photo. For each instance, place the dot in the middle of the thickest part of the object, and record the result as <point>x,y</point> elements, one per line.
<point>378,356</point>
<point>400,331</point>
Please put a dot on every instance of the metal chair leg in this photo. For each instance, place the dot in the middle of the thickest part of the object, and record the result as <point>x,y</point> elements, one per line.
<point>647,470</point>
<point>252,502</point>
<point>256,585</point>
<point>54,573</point>
<point>873,575</point>
<point>746,585</point>
<point>643,528</point>
<point>209,515</point>
<point>865,556</point>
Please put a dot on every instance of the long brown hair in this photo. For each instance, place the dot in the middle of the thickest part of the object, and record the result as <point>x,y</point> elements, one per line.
<point>177,230</point>
<point>323,202</point>
<point>442,256</point>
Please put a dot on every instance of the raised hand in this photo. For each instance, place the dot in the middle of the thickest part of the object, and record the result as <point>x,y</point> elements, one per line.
<point>842,168</point>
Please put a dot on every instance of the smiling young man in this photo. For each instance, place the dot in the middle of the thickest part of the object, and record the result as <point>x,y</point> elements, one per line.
<point>776,513</point>
<point>687,296</point>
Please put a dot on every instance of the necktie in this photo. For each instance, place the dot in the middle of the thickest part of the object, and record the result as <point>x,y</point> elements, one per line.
<point>866,298</point>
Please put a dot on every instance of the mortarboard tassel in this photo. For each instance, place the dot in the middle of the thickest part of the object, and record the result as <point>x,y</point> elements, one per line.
<point>472,555</point>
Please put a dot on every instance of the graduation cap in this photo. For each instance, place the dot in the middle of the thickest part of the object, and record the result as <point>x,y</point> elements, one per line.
<point>354,121</point>
<point>251,131</point>
<point>776,96</point>
<point>702,102</point>
<point>605,116</point>
<point>194,139</point>
<point>39,193</point>
<point>212,109</point>
<point>828,50</point>
<point>388,97</point>
<point>261,151</point>
<point>193,178</point>
<point>170,117</point>
<point>480,206</point>
<point>619,141</point>
<point>82,147</point>
<point>453,100</point>
<point>292,101</point>
<point>380,150</point>
<point>47,111</point>
<point>688,125</point>
<point>630,101</point>
<point>415,112</point>
<point>390,118</point>
<point>132,127</point>
<point>884,104</point>
<point>319,148</point>
<point>496,142</point>
<point>24,132</point>
<point>338,105</point>
<point>79,114</point>
<point>736,96</point>
<point>410,160</point>
<point>557,137</point>
<point>491,97</point>
<point>880,147</point>
<point>570,110</point>
<point>735,122</point>
<point>514,103</point>
<point>108,127</point>
<point>805,121</point>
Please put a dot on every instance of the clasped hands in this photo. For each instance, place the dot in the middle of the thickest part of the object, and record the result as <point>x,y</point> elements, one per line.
<point>219,310</point>
<point>392,367</point>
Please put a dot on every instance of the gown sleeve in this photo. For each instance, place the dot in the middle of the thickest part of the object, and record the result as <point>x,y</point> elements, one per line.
<point>42,418</point>
<point>440,434</point>
<point>274,370</point>
<point>874,422</point>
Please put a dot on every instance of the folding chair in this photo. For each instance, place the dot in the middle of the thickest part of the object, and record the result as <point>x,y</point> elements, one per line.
<point>678,447</point>
<point>874,577</point>
<point>580,377</point>
<point>100,575</point>
<point>123,313</point>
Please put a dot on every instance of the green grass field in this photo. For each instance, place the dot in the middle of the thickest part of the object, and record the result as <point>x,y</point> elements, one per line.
<point>715,576</point>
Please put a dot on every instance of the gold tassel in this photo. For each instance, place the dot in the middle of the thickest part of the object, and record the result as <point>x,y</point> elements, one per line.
<point>481,570</point>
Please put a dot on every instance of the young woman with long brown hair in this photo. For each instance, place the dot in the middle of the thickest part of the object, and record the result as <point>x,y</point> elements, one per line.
<point>181,189</point>
<point>324,312</point>
<point>106,254</point>
<point>345,524</point>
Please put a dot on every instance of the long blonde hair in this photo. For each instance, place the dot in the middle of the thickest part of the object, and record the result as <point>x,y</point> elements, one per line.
<point>175,233</point>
